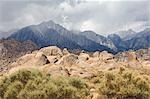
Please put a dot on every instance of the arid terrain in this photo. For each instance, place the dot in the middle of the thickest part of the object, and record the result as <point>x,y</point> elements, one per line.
<point>74,49</point>
<point>11,49</point>
<point>55,61</point>
<point>91,67</point>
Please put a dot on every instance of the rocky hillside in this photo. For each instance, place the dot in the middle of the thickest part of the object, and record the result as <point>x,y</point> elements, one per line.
<point>11,49</point>
<point>53,60</point>
<point>94,68</point>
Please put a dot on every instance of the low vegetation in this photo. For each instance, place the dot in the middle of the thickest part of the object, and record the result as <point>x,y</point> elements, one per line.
<point>125,84</point>
<point>113,84</point>
<point>27,84</point>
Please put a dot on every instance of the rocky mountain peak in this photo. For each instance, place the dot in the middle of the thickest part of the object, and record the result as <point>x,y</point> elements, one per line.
<point>126,35</point>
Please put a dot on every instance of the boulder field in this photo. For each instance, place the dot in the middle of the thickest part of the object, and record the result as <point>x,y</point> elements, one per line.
<point>54,61</point>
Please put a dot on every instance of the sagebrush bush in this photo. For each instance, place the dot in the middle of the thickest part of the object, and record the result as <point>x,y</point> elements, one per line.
<point>125,84</point>
<point>32,84</point>
<point>112,84</point>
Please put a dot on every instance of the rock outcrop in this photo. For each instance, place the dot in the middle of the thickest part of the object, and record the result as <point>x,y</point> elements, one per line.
<point>89,66</point>
<point>54,61</point>
<point>11,49</point>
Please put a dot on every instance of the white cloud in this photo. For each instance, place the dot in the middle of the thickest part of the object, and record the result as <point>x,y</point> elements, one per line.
<point>88,25</point>
<point>102,16</point>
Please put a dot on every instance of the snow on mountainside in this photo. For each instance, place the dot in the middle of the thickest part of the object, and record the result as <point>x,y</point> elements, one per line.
<point>126,35</point>
<point>50,33</point>
<point>99,39</point>
<point>140,40</point>
<point>118,42</point>
<point>135,41</point>
<point>43,37</point>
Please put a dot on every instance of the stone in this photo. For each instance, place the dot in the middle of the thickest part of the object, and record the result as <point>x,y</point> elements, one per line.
<point>52,51</point>
<point>69,60</point>
<point>83,57</point>
<point>41,59</point>
<point>96,54</point>
<point>65,51</point>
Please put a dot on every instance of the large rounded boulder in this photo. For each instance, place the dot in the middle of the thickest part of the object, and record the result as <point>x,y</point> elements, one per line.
<point>41,59</point>
<point>51,51</point>
<point>69,60</point>
<point>83,57</point>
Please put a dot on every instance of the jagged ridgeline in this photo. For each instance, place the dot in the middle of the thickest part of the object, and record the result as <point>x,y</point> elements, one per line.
<point>49,33</point>
<point>53,73</point>
<point>74,49</point>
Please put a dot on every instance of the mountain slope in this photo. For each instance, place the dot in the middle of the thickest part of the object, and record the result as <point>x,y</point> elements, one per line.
<point>118,42</point>
<point>141,40</point>
<point>28,34</point>
<point>126,35</point>
<point>82,40</point>
<point>99,39</point>
<point>50,33</point>
<point>43,37</point>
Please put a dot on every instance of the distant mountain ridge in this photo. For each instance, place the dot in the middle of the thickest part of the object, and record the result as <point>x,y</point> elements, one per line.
<point>99,39</point>
<point>126,35</point>
<point>140,40</point>
<point>118,42</point>
<point>49,36</point>
<point>49,33</point>
<point>4,34</point>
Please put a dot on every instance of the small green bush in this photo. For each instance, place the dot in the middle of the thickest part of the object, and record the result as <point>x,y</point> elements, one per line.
<point>113,84</point>
<point>13,90</point>
<point>32,84</point>
<point>126,84</point>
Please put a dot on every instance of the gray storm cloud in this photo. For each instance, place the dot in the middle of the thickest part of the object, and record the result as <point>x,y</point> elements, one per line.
<point>101,16</point>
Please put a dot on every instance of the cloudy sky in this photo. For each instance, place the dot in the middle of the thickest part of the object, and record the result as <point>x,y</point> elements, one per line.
<point>101,16</point>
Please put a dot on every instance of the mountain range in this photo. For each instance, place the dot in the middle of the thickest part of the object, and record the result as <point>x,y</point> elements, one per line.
<point>133,41</point>
<point>49,33</point>
<point>126,35</point>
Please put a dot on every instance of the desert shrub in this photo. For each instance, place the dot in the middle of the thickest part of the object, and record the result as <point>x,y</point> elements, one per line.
<point>32,84</point>
<point>97,78</point>
<point>13,90</point>
<point>76,82</point>
<point>125,84</point>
